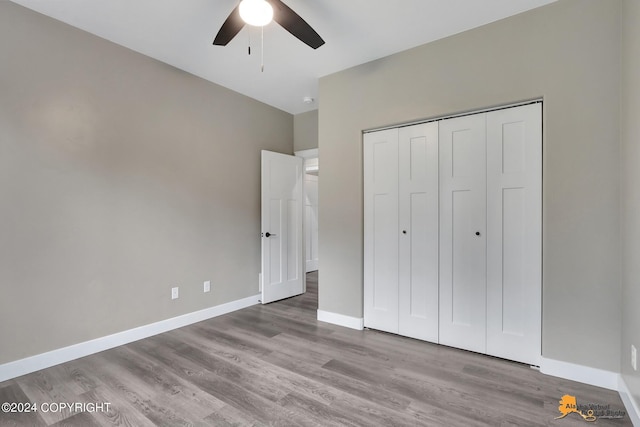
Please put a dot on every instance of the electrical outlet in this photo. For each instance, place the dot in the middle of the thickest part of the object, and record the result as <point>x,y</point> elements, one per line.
<point>175,293</point>
<point>207,286</point>
<point>634,357</point>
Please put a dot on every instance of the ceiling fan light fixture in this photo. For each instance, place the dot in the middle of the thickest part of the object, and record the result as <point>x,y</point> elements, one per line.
<point>256,12</point>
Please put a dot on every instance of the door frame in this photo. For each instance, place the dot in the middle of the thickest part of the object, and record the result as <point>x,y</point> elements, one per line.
<point>311,166</point>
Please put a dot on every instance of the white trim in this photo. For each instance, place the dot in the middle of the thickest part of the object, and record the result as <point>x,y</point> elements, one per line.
<point>312,265</point>
<point>55,357</point>
<point>311,164</point>
<point>580,373</point>
<point>307,154</point>
<point>341,320</point>
<point>451,116</point>
<point>632,407</point>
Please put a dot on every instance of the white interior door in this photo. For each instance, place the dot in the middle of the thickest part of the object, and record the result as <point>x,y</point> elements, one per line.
<point>282,200</point>
<point>311,222</point>
<point>462,232</point>
<point>381,230</point>
<point>514,201</point>
<point>418,204</point>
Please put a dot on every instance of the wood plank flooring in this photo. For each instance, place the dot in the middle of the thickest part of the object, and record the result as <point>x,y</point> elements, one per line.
<point>277,365</point>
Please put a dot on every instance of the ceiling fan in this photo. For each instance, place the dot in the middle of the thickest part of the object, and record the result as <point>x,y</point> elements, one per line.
<point>260,13</point>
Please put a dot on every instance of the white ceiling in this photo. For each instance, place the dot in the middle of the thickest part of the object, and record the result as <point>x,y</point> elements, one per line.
<point>180,33</point>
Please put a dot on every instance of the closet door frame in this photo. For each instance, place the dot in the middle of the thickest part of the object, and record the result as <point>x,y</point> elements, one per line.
<point>493,333</point>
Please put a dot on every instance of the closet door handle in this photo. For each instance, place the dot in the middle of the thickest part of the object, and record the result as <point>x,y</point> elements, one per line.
<point>404,231</point>
<point>477,233</point>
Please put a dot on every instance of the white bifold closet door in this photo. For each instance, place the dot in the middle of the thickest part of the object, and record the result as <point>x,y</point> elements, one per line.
<point>381,271</point>
<point>418,206</point>
<point>401,231</point>
<point>514,233</point>
<point>452,232</point>
<point>490,233</point>
<point>463,224</point>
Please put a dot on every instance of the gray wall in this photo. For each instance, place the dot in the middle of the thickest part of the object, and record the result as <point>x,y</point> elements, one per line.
<point>305,130</point>
<point>630,192</point>
<point>120,178</point>
<point>567,52</point>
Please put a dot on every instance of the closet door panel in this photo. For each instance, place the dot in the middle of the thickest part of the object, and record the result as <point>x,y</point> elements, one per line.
<point>462,232</point>
<point>381,230</point>
<point>418,214</point>
<point>514,200</point>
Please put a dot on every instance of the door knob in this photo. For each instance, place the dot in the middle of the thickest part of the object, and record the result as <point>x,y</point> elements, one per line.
<point>477,233</point>
<point>404,231</point>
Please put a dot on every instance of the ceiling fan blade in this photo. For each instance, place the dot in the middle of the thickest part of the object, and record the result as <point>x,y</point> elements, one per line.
<point>230,28</point>
<point>292,22</point>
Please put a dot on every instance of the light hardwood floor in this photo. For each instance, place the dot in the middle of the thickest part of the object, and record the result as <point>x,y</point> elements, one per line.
<point>277,365</point>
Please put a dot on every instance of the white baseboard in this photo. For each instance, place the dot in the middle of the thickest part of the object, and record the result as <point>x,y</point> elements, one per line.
<point>55,357</point>
<point>341,320</point>
<point>580,373</point>
<point>632,407</point>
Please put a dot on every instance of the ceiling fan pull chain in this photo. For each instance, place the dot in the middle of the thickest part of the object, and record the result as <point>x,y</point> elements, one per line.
<point>249,33</point>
